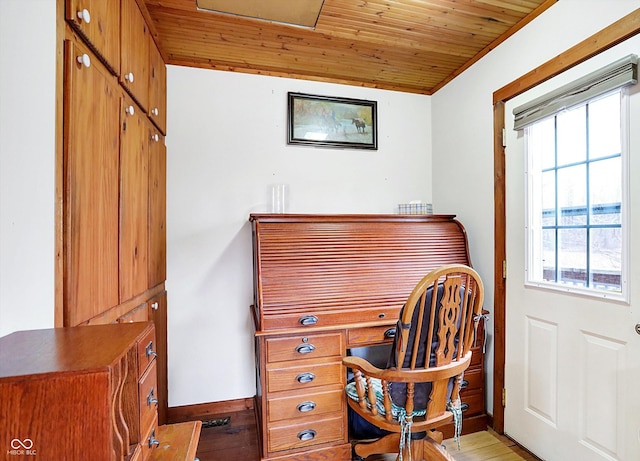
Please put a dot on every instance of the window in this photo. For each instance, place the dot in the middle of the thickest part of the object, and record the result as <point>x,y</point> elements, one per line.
<point>576,201</point>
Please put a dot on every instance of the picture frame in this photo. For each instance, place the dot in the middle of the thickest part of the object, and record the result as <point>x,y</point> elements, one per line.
<point>325,121</point>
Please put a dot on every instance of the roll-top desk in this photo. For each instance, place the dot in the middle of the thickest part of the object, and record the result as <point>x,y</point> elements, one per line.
<point>324,284</point>
<point>86,392</point>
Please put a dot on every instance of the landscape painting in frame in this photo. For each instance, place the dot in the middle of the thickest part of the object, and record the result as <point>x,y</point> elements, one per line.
<point>332,122</point>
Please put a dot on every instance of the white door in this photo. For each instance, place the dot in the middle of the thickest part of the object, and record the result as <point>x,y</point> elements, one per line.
<point>572,374</point>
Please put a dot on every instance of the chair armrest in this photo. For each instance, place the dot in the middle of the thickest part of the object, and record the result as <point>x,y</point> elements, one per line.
<point>363,365</point>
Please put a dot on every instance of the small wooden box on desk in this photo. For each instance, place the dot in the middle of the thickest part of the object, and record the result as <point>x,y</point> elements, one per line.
<point>86,392</point>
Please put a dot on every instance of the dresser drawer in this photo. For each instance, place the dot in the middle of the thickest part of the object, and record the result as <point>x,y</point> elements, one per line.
<point>146,351</point>
<point>472,403</point>
<point>305,434</point>
<point>304,376</point>
<point>304,347</point>
<point>149,441</point>
<point>473,380</point>
<point>148,398</point>
<point>370,335</point>
<point>305,405</point>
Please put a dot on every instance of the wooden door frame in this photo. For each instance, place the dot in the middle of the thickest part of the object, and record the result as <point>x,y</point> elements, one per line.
<point>616,33</point>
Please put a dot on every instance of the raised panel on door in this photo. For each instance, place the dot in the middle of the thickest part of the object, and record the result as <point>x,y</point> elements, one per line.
<point>92,103</point>
<point>98,21</point>
<point>158,311</point>
<point>157,208</point>
<point>157,88</point>
<point>134,56</point>
<point>134,187</point>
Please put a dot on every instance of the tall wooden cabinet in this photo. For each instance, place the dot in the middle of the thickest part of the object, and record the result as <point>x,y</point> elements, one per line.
<point>112,169</point>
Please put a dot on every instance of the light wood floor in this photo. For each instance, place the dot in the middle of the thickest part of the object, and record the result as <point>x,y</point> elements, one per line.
<point>238,441</point>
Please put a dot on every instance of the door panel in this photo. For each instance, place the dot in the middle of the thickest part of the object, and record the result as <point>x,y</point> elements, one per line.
<point>90,187</point>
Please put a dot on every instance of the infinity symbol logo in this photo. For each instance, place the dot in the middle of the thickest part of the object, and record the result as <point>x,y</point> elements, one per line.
<point>17,443</point>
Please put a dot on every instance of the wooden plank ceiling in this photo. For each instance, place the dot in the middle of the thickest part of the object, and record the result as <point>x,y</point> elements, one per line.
<point>415,46</point>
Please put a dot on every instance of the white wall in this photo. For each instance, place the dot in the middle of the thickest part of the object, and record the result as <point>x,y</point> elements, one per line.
<point>463,120</point>
<point>226,144</point>
<point>27,163</point>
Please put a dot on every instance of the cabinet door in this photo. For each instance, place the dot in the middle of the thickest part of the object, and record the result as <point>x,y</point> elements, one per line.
<point>158,305</point>
<point>91,123</point>
<point>134,202</point>
<point>134,56</point>
<point>98,21</point>
<point>157,208</point>
<point>157,88</point>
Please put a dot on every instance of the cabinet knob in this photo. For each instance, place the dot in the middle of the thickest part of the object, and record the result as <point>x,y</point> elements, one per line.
<point>155,111</point>
<point>84,16</point>
<point>84,60</point>
<point>130,110</point>
<point>149,350</point>
<point>305,407</point>
<point>154,306</point>
<point>304,378</point>
<point>151,398</point>
<point>306,435</point>
<point>152,439</point>
<point>129,77</point>
<point>156,138</point>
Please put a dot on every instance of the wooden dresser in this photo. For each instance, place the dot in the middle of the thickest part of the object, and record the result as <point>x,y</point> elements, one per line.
<point>324,284</point>
<point>86,392</point>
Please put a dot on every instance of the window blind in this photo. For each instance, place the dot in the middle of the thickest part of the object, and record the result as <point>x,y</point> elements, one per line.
<point>616,75</point>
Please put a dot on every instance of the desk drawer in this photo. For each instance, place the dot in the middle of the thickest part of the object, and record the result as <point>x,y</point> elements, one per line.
<point>370,335</point>
<point>146,350</point>
<point>305,405</point>
<point>304,347</point>
<point>472,403</point>
<point>305,434</point>
<point>148,398</point>
<point>474,380</point>
<point>304,376</point>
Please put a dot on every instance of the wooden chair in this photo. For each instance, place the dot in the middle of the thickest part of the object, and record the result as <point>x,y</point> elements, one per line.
<point>421,394</point>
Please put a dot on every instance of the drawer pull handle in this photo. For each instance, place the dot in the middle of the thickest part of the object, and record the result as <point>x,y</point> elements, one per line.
<point>390,333</point>
<point>149,350</point>
<point>464,384</point>
<point>305,435</point>
<point>152,439</point>
<point>464,407</point>
<point>306,407</point>
<point>304,378</point>
<point>305,348</point>
<point>151,399</point>
<point>308,320</point>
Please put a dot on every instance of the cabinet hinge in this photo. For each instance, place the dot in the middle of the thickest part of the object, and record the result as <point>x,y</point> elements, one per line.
<point>504,397</point>
<point>504,269</point>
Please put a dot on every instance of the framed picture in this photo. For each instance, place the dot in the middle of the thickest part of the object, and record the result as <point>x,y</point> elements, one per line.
<point>332,122</point>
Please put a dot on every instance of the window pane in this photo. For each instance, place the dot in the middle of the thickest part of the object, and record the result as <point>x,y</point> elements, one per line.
<point>549,255</point>
<point>604,127</point>
<point>572,195</point>
<point>605,191</point>
<point>549,198</point>
<point>541,142</point>
<point>606,259</point>
<point>572,136</point>
<point>572,256</point>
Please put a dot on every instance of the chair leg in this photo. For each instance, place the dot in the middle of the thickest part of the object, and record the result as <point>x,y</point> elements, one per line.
<point>431,450</point>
